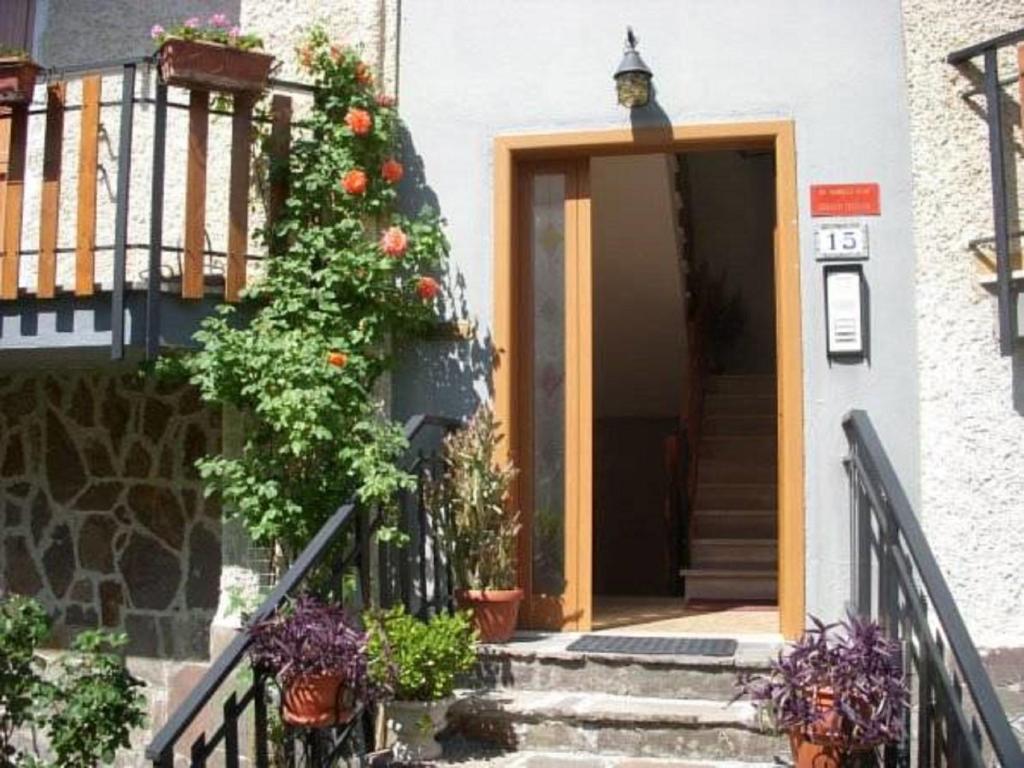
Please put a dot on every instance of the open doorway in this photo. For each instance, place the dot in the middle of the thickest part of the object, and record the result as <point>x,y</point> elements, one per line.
<point>685,499</point>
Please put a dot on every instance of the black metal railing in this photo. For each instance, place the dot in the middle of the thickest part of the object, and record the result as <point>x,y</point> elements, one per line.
<point>1006,292</point>
<point>227,719</point>
<point>959,720</point>
<point>142,94</point>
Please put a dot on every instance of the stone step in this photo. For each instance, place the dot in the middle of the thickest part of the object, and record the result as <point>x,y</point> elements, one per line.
<point>735,523</point>
<point>738,447</point>
<point>542,662</point>
<point>723,552</point>
<point>733,424</point>
<point>735,470</point>
<point>734,495</point>
<point>740,385</point>
<point>740,405</point>
<point>733,582</point>
<point>605,724</point>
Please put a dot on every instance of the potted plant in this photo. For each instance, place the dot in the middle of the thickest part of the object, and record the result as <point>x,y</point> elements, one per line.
<point>319,659</point>
<point>214,55</point>
<point>839,692</point>
<point>480,529</point>
<point>417,662</point>
<point>17,76</point>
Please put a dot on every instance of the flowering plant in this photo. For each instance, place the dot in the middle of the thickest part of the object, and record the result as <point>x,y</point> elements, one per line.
<point>345,288</point>
<point>216,29</point>
<point>309,639</point>
<point>845,689</point>
<point>12,52</point>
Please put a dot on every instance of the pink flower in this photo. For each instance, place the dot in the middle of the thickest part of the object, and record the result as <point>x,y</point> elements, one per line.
<point>219,20</point>
<point>191,23</point>
<point>234,33</point>
<point>394,242</point>
<point>156,31</point>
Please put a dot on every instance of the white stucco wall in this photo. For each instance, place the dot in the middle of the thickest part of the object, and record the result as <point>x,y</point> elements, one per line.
<point>972,399</point>
<point>475,69</point>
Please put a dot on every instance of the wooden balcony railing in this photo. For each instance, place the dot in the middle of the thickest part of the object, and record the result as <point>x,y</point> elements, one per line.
<point>61,236</point>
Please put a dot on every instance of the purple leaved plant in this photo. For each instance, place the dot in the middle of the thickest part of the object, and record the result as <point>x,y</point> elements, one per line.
<point>311,639</point>
<point>840,684</point>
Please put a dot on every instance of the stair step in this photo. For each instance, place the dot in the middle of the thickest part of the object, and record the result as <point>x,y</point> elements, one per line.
<point>740,405</point>
<point>736,495</point>
<point>484,757</point>
<point>606,724</point>
<point>739,447</point>
<point>739,581</point>
<point>542,662</point>
<point>743,424</point>
<point>740,385</point>
<point>736,523</point>
<point>721,552</point>
<point>717,471</point>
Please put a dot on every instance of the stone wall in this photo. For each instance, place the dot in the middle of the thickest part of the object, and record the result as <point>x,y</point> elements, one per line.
<point>103,514</point>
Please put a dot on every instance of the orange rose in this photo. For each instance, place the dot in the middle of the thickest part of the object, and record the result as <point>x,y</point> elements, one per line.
<point>354,182</point>
<point>394,242</point>
<point>427,288</point>
<point>359,121</point>
<point>337,359</point>
<point>336,53</point>
<point>306,56</point>
<point>392,171</point>
<point>363,74</point>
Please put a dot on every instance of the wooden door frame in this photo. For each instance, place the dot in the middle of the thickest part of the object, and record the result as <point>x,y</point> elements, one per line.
<point>777,135</point>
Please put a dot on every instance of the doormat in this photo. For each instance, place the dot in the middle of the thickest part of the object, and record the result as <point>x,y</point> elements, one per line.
<point>655,646</point>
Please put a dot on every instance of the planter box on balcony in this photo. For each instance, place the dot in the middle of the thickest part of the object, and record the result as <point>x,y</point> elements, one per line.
<point>17,80</point>
<point>213,67</point>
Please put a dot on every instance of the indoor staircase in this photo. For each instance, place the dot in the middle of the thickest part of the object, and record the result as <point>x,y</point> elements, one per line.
<point>733,553</point>
<point>533,702</point>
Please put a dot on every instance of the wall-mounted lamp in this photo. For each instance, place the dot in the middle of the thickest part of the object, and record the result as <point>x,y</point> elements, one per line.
<point>633,77</point>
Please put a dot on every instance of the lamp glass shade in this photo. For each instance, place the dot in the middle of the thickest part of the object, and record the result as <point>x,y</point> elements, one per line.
<point>633,88</point>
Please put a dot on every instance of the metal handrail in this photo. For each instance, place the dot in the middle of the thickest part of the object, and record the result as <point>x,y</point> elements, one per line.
<point>874,477</point>
<point>160,749</point>
<point>993,85</point>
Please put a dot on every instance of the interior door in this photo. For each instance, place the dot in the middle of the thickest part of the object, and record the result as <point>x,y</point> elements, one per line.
<point>554,417</point>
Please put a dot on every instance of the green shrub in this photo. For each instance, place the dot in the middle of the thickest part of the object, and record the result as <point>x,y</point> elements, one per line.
<point>87,706</point>
<point>418,660</point>
<point>23,626</point>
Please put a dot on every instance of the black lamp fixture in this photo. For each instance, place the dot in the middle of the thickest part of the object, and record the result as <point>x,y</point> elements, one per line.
<point>633,77</point>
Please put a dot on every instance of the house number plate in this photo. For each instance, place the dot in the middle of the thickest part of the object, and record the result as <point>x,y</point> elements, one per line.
<point>841,241</point>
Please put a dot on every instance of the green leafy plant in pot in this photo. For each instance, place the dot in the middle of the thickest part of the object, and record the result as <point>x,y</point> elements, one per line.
<point>839,692</point>
<point>418,663</point>
<point>472,500</point>
<point>318,656</point>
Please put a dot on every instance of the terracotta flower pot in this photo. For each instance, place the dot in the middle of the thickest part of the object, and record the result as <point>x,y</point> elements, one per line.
<point>316,702</point>
<point>812,747</point>
<point>17,80</point>
<point>494,611</point>
<point>214,67</point>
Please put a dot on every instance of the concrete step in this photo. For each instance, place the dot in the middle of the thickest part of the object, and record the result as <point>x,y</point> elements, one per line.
<point>736,523</point>
<point>723,552</point>
<point>738,447</point>
<point>738,424</point>
<point>542,662</point>
<point>605,724</point>
<point>735,581</point>
<point>490,757</point>
<point>739,405</point>
<point>740,385</point>
<point>734,495</point>
<point>735,470</point>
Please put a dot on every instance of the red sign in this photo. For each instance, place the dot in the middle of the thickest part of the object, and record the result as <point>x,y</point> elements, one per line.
<point>845,200</point>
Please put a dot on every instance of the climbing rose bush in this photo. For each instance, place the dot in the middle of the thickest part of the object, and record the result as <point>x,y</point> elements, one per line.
<point>343,292</point>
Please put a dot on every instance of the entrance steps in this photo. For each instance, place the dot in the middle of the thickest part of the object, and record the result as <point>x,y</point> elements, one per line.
<point>733,547</point>
<point>540,702</point>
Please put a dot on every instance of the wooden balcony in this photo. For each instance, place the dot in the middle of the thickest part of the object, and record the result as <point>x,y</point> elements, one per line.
<point>113,184</point>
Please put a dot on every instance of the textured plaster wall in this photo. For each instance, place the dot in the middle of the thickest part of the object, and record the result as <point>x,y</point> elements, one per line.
<point>73,32</point>
<point>972,399</point>
<point>476,69</point>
